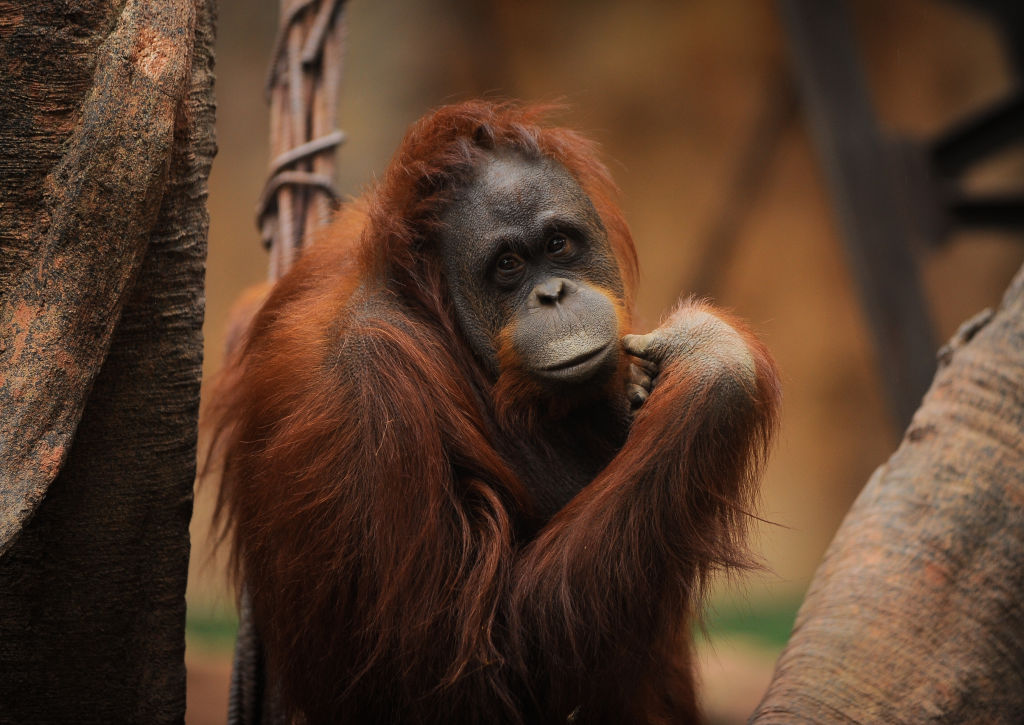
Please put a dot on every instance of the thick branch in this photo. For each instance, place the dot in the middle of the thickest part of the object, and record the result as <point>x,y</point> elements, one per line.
<point>106,140</point>
<point>917,613</point>
<point>81,238</point>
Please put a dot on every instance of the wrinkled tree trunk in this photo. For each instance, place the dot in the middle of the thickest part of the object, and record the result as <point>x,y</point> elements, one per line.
<point>917,612</point>
<point>106,139</point>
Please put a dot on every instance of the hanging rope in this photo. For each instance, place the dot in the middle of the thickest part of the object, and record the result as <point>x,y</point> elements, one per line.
<point>303,82</point>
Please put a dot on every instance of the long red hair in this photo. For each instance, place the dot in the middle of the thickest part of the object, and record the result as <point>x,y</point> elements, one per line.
<point>367,509</point>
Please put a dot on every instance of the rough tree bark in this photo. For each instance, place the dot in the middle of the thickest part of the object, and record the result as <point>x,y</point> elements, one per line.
<point>106,140</point>
<point>917,612</point>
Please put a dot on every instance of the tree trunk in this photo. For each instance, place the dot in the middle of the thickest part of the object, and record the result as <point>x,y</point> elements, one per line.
<point>106,140</point>
<point>917,612</point>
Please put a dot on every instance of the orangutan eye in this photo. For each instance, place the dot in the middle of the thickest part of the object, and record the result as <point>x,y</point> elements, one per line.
<point>509,263</point>
<point>558,246</point>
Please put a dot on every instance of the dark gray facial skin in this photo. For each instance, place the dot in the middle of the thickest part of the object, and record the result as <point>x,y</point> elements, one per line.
<point>525,250</point>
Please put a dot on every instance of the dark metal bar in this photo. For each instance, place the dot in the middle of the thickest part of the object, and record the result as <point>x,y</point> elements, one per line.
<point>978,136</point>
<point>859,168</point>
<point>987,212</point>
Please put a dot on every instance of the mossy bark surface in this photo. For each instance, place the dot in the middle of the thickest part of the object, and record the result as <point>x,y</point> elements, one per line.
<point>106,141</point>
<point>917,612</point>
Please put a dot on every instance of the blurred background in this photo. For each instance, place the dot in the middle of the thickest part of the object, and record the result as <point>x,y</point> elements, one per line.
<point>694,105</point>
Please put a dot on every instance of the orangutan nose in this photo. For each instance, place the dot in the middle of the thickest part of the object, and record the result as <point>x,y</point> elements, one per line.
<point>553,290</point>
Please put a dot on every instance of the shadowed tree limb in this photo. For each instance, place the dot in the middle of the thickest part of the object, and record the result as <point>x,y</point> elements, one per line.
<point>917,612</point>
<point>106,140</point>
